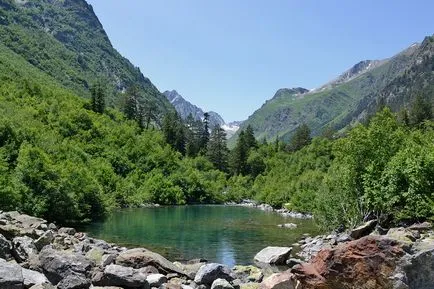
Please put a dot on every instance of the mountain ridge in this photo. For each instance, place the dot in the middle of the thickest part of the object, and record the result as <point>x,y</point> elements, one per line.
<point>340,102</point>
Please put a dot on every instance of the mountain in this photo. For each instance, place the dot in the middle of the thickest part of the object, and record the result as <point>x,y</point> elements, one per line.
<point>352,97</point>
<point>185,108</point>
<point>66,40</point>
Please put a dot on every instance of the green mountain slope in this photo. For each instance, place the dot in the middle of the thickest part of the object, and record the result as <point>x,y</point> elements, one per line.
<point>64,162</point>
<point>352,97</point>
<point>66,40</point>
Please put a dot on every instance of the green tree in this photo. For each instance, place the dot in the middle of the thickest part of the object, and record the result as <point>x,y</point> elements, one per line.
<point>300,138</point>
<point>217,151</point>
<point>131,106</point>
<point>421,110</point>
<point>98,98</point>
<point>174,131</point>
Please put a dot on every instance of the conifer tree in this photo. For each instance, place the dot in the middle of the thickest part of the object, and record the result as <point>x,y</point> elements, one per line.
<point>98,98</point>
<point>218,152</point>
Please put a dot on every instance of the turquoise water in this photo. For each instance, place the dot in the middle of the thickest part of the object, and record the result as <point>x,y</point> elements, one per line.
<point>224,234</point>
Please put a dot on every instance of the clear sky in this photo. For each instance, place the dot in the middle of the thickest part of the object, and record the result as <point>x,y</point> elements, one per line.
<point>230,56</point>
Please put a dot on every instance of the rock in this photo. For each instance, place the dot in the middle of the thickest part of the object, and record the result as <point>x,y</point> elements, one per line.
<point>141,257</point>
<point>74,282</point>
<point>190,268</point>
<point>367,263</point>
<point>95,254</point>
<point>67,231</point>
<point>403,235</point>
<point>57,265</point>
<point>284,280</point>
<point>11,276</point>
<point>22,248</point>
<point>32,278</point>
<point>343,238</point>
<point>108,259</point>
<point>250,286</point>
<point>156,280</point>
<point>265,207</point>
<point>273,255</point>
<point>248,273</point>
<point>5,248</point>
<point>422,227</point>
<point>288,226</point>
<point>116,275</point>
<point>419,267</point>
<point>150,270</point>
<point>291,262</point>
<point>221,284</point>
<point>43,286</point>
<point>52,227</point>
<point>46,239</point>
<point>363,230</point>
<point>212,271</point>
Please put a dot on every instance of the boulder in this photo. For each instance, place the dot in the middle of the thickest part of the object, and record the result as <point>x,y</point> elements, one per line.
<point>273,255</point>
<point>363,230</point>
<point>221,284</point>
<point>212,271</point>
<point>74,282</point>
<point>418,268</point>
<point>57,265</point>
<point>116,275</point>
<point>52,227</point>
<point>32,278</point>
<point>250,285</point>
<point>5,248</point>
<point>403,235</point>
<point>11,276</point>
<point>67,231</point>
<point>23,248</point>
<point>46,239</point>
<point>43,286</point>
<point>421,227</point>
<point>248,273</point>
<point>368,263</point>
<point>95,254</point>
<point>284,280</point>
<point>108,259</point>
<point>156,280</point>
<point>140,257</point>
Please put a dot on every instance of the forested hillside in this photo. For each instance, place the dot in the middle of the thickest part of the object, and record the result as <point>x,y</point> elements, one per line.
<point>66,40</point>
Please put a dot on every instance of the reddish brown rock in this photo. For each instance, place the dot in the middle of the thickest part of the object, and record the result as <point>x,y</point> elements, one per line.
<point>364,263</point>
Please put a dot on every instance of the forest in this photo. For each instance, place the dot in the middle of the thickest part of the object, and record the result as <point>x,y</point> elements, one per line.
<point>71,160</point>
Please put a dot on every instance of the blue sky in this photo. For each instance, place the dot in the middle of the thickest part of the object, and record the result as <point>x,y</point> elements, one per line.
<point>230,56</point>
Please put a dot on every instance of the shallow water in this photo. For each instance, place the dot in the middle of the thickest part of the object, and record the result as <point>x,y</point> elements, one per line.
<point>224,234</point>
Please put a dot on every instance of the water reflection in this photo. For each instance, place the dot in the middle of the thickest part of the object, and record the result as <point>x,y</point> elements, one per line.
<point>229,235</point>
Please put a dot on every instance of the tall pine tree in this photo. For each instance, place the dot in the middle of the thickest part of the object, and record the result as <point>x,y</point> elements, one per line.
<point>218,152</point>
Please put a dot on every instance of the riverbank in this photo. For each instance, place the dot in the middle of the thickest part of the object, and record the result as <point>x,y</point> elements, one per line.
<point>38,255</point>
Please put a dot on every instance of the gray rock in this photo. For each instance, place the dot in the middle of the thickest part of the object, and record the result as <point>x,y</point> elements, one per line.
<point>221,284</point>
<point>57,265</point>
<point>108,259</point>
<point>293,261</point>
<point>5,248</point>
<point>46,239</point>
<point>273,255</point>
<point>11,276</point>
<point>43,286</point>
<point>116,275</point>
<point>140,257</point>
<point>343,238</point>
<point>23,248</point>
<point>363,230</point>
<point>156,280</point>
<point>32,278</point>
<point>74,282</point>
<point>419,268</point>
<point>422,227</point>
<point>212,271</point>
<point>67,231</point>
<point>52,227</point>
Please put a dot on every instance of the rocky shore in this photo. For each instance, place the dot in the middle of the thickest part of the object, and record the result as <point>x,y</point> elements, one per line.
<point>266,207</point>
<point>38,255</point>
